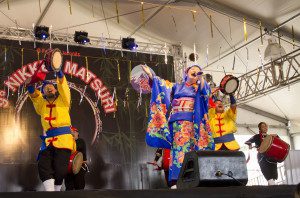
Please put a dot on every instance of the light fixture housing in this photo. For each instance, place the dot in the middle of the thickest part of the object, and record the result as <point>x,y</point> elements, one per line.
<point>41,32</point>
<point>81,37</point>
<point>273,50</point>
<point>129,43</point>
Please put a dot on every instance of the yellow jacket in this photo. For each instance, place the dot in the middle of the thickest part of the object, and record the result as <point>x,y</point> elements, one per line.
<point>55,114</point>
<point>222,124</point>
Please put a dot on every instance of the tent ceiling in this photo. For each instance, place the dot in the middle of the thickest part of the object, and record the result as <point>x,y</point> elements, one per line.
<point>88,15</point>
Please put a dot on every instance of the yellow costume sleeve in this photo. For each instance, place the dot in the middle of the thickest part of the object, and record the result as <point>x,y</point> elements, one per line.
<point>211,112</point>
<point>37,100</point>
<point>64,90</point>
<point>231,114</point>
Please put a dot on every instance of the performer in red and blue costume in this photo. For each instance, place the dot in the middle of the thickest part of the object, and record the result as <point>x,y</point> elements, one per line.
<point>53,105</point>
<point>186,127</point>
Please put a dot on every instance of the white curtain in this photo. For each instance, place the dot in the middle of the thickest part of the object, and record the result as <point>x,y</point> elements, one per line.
<point>292,167</point>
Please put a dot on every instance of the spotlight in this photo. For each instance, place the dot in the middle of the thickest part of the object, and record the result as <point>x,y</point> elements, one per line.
<point>41,32</point>
<point>81,37</point>
<point>129,43</point>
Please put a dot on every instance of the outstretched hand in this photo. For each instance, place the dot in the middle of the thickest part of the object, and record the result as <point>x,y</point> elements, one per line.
<point>147,71</point>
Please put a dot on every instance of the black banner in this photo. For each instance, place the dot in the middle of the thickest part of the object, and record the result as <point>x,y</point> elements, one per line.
<point>104,109</point>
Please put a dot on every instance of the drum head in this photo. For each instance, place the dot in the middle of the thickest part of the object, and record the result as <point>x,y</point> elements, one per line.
<point>56,60</point>
<point>231,86</point>
<point>140,80</point>
<point>77,163</point>
<point>266,143</point>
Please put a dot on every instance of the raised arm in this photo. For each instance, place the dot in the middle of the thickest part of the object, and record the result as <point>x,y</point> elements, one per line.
<point>36,98</point>
<point>63,88</point>
<point>232,103</point>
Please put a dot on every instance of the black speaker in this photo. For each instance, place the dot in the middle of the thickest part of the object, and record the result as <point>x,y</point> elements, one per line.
<point>213,168</point>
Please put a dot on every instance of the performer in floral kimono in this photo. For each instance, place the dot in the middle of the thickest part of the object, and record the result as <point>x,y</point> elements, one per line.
<point>186,127</point>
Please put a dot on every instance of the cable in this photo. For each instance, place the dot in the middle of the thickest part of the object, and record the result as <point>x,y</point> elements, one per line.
<point>128,13</point>
<point>229,174</point>
<point>233,48</point>
<point>277,106</point>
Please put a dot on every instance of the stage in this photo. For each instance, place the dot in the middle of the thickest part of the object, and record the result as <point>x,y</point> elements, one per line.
<point>281,191</point>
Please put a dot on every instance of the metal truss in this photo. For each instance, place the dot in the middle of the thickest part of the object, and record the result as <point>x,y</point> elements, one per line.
<point>270,77</point>
<point>22,34</point>
<point>179,63</point>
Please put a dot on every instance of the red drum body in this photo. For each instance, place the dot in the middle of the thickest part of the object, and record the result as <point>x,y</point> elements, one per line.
<point>75,162</point>
<point>229,84</point>
<point>53,59</point>
<point>166,159</point>
<point>274,148</point>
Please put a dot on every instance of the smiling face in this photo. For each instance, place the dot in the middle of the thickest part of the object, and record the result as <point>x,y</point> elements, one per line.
<point>49,91</point>
<point>219,107</point>
<point>263,128</point>
<point>193,74</point>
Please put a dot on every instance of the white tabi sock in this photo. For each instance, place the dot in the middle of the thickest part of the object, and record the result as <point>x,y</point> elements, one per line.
<point>57,187</point>
<point>271,182</point>
<point>49,185</point>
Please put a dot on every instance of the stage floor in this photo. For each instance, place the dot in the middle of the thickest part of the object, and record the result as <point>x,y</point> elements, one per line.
<point>281,191</point>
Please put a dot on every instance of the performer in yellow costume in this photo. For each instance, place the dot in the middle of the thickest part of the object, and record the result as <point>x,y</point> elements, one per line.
<point>223,125</point>
<point>53,106</point>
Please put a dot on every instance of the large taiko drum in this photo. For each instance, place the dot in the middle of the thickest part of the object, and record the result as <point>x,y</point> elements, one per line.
<point>274,148</point>
<point>75,162</point>
<point>229,84</point>
<point>53,59</point>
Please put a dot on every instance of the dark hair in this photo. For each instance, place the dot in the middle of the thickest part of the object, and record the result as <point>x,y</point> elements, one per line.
<point>187,70</point>
<point>259,125</point>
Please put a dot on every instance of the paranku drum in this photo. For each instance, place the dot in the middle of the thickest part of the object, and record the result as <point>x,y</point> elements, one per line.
<point>274,148</point>
<point>229,84</point>
<point>53,59</point>
<point>75,163</point>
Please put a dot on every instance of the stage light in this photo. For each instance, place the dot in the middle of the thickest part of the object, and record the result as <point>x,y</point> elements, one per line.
<point>41,32</point>
<point>81,37</point>
<point>273,51</point>
<point>129,43</point>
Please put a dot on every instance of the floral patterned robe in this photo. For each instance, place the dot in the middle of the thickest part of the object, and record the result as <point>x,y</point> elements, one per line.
<point>180,131</point>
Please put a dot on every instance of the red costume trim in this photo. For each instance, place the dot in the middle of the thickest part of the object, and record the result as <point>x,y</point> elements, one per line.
<point>220,124</point>
<point>50,118</point>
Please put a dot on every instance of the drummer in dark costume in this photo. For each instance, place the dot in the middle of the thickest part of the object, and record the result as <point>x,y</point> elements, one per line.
<point>268,168</point>
<point>77,181</point>
<point>223,125</point>
<point>53,106</point>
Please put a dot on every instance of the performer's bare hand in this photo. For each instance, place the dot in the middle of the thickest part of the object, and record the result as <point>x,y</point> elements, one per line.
<point>147,71</point>
<point>250,146</point>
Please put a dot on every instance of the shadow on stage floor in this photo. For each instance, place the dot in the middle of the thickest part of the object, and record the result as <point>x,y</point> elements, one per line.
<point>282,191</point>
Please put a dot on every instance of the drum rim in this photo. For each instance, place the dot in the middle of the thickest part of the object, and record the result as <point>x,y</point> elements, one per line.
<point>229,76</point>
<point>52,54</point>
<point>268,148</point>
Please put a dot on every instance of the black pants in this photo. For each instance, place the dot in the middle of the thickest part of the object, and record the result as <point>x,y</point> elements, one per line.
<point>75,182</point>
<point>53,164</point>
<point>268,168</point>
